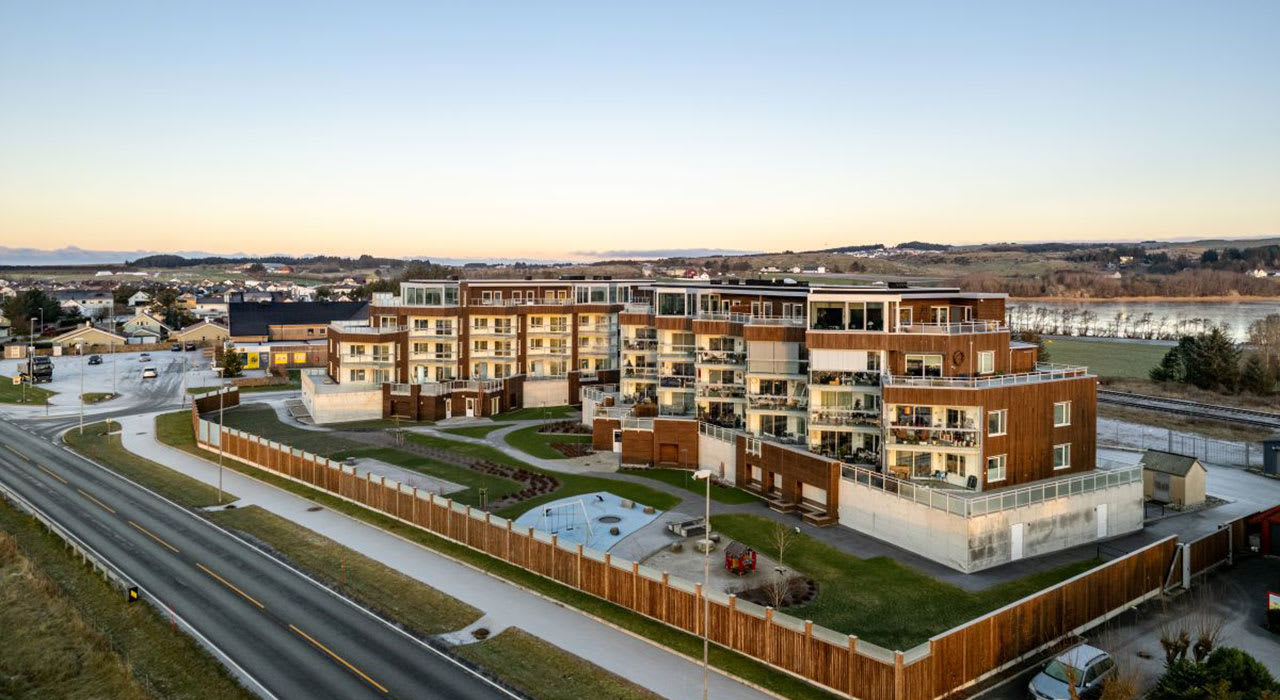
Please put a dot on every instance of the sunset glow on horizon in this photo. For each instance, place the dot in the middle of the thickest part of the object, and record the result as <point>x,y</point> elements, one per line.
<point>567,131</point>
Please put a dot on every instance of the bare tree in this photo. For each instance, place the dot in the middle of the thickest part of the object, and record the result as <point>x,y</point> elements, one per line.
<point>781,538</point>
<point>776,588</point>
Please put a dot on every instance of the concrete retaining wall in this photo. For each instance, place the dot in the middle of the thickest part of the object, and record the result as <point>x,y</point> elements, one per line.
<point>718,456</point>
<point>336,406</point>
<point>546,392</point>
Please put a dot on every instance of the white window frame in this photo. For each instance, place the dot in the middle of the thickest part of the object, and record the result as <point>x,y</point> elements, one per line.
<point>1066,405</point>
<point>986,361</point>
<point>1065,449</point>
<point>1003,462</point>
<point>1004,422</point>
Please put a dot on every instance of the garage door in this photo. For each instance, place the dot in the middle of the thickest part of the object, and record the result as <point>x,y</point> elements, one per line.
<point>668,453</point>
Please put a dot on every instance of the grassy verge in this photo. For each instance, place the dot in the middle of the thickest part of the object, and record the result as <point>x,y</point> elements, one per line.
<point>570,484</point>
<point>1127,360</point>
<point>75,637</point>
<point>376,424</point>
<point>1218,430</point>
<point>683,478</point>
<point>420,608</point>
<point>97,396</point>
<point>537,413</point>
<point>879,599</point>
<point>11,393</point>
<point>263,421</point>
<point>475,431</point>
<point>98,445</point>
<point>473,480</point>
<point>542,670</point>
<point>175,429</point>
<point>530,441</point>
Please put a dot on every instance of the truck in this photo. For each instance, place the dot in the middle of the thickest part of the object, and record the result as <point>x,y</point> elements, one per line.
<point>39,369</point>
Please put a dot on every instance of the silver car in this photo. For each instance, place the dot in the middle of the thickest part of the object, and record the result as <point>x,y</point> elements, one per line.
<point>1088,668</point>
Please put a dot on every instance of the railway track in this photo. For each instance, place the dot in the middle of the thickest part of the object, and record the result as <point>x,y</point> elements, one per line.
<point>1195,409</point>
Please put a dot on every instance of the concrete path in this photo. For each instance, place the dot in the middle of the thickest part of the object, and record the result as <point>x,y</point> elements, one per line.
<point>504,604</point>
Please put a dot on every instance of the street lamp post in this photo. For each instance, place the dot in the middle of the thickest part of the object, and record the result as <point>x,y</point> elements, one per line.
<point>221,437</point>
<point>705,475</point>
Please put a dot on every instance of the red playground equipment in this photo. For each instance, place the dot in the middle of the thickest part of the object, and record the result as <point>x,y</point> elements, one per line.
<point>739,559</point>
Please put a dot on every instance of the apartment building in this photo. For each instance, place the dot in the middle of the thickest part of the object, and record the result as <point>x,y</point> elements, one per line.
<point>811,395</point>
<point>441,348</point>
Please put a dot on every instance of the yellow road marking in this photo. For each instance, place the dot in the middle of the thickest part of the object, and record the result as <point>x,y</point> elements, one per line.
<point>17,453</point>
<point>148,533</point>
<point>105,507</point>
<point>232,586</point>
<point>46,471</point>
<point>339,659</point>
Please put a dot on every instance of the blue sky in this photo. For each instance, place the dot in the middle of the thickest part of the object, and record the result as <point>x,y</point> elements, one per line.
<point>542,130</point>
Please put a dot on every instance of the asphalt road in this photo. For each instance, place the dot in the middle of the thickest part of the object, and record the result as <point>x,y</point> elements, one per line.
<point>293,637</point>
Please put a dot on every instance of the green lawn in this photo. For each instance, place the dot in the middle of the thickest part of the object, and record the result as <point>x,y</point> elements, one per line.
<point>106,449</point>
<point>1126,360</point>
<point>376,424</point>
<point>542,670</point>
<point>473,480</point>
<point>263,421</point>
<point>97,396</point>
<point>422,609</point>
<point>475,431</point>
<point>175,429</point>
<point>879,599</point>
<point>537,413</point>
<point>684,479</point>
<point>530,441</point>
<point>72,636</point>
<point>570,484</point>
<point>11,393</point>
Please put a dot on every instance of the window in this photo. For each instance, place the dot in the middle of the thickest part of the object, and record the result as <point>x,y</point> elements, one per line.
<point>1062,456</point>
<point>873,362</point>
<point>517,295</point>
<point>955,464</point>
<point>671,304</point>
<point>997,422</point>
<point>996,468</point>
<point>357,375</point>
<point>1061,414</point>
<point>486,297</point>
<point>924,365</point>
<point>875,316</point>
<point>940,314</point>
<point>421,324</point>
<point>904,315</point>
<point>828,316</point>
<point>986,361</point>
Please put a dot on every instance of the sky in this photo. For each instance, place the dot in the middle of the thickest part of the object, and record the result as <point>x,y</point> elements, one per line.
<point>558,130</point>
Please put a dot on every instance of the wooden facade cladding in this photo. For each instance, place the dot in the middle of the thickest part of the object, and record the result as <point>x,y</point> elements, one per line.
<point>959,351</point>
<point>635,319</point>
<point>707,327</point>
<point>793,467</point>
<point>776,334</point>
<point>672,442</point>
<point>602,433</point>
<point>983,309</point>
<point>1023,359</point>
<point>673,323</point>
<point>1031,435</point>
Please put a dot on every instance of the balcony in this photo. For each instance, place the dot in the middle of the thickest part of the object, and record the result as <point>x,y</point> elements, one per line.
<point>598,350</point>
<point>432,356</point>
<point>557,330</point>
<point>934,436</point>
<point>668,350</point>
<point>450,386</point>
<point>640,397</point>
<point>1043,373</point>
<point>795,321</point>
<point>676,410</point>
<point>860,457</point>
<point>493,330</point>
<point>845,417</point>
<point>850,379</point>
<point>678,382</point>
<point>709,390</point>
<point>493,352</point>
<point>596,328</point>
<point>649,373</point>
<point>784,368</point>
<point>367,359</point>
<point>961,328</point>
<point>363,328</point>
<point>640,344</point>
<point>504,303</point>
<point>560,351</point>
<point>721,358</point>
<point>732,421</point>
<point>775,402</point>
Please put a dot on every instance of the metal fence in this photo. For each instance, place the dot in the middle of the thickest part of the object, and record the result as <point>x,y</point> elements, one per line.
<point>1226,453</point>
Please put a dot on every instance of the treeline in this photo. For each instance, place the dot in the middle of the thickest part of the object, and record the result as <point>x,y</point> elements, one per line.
<point>1265,257</point>
<point>344,263</point>
<point>1095,285</point>
<point>1211,361</point>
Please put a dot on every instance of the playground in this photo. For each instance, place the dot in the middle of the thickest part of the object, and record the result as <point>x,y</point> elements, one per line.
<point>597,520</point>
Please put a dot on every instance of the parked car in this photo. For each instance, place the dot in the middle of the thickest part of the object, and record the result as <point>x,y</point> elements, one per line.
<point>176,347</point>
<point>149,373</point>
<point>1087,667</point>
<point>95,359</point>
<point>189,346</point>
<point>144,357</point>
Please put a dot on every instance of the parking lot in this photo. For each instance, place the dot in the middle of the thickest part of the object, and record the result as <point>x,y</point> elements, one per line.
<point>121,373</point>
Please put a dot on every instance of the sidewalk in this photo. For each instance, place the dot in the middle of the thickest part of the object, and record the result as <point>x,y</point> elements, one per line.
<point>504,604</point>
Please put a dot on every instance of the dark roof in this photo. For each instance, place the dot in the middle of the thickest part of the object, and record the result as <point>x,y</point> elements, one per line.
<point>1168,462</point>
<point>252,318</point>
<point>736,549</point>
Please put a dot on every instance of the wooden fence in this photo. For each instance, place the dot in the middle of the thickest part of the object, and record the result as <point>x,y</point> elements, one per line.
<point>832,660</point>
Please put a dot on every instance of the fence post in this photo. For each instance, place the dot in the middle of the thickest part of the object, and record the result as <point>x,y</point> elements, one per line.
<point>635,585</point>
<point>555,544</point>
<point>508,540</point>
<point>899,683</point>
<point>413,513</point>
<point>809,657</point>
<point>579,565</point>
<point>608,573</point>
<point>666,595</point>
<point>853,654</point>
<point>1186,566</point>
<point>768,635</point>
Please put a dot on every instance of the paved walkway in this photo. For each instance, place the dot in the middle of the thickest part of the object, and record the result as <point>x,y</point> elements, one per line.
<point>504,604</point>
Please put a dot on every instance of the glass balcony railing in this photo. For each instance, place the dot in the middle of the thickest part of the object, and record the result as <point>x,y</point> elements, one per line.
<point>775,402</point>
<point>1043,373</point>
<point>721,391</point>
<point>721,357</point>
<point>934,437</point>
<point>640,344</point>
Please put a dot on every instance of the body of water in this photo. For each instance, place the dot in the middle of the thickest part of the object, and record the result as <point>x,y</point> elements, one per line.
<point>1138,319</point>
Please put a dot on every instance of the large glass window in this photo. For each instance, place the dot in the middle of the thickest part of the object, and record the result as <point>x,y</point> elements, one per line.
<point>924,365</point>
<point>828,316</point>
<point>997,422</point>
<point>996,468</point>
<point>875,316</point>
<point>857,316</point>
<point>1062,456</point>
<point>671,304</point>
